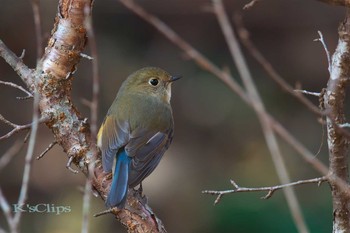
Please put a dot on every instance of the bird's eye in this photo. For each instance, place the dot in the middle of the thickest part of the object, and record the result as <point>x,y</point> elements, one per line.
<point>153,81</point>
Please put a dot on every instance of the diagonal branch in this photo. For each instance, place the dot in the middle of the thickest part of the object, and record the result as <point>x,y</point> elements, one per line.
<point>259,57</point>
<point>10,153</point>
<point>258,106</point>
<point>17,64</point>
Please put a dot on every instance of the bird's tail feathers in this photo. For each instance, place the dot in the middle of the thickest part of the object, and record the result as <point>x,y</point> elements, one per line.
<point>119,188</point>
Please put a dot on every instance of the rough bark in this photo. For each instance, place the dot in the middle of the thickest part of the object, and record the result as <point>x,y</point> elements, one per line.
<point>338,144</point>
<point>52,80</point>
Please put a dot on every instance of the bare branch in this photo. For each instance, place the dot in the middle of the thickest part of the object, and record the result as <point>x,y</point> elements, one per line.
<point>18,128</point>
<point>38,33</point>
<point>17,64</point>
<point>270,189</point>
<point>259,108</point>
<point>28,160</point>
<point>29,95</point>
<point>325,49</point>
<point>10,153</point>
<point>95,75</point>
<point>258,56</point>
<point>52,144</point>
<point>7,211</point>
<point>94,114</point>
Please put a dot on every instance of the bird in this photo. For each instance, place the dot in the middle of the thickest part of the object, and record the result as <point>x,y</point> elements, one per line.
<point>136,131</point>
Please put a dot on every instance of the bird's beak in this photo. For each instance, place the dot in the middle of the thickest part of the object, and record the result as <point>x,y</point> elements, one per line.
<point>174,78</point>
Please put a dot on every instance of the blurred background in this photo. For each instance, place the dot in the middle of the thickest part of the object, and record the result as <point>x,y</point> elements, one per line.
<point>217,137</point>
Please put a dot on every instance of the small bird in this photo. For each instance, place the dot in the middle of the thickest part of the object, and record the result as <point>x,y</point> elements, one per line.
<point>137,130</point>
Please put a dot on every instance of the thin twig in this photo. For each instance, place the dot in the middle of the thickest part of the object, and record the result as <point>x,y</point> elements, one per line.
<point>258,56</point>
<point>94,113</point>
<point>345,125</point>
<point>6,209</point>
<point>38,33</point>
<point>325,49</point>
<point>105,212</point>
<point>18,128</point>
<point>52,144</point>
<point>270,189</point>
<point>250,4</point>
<point>95,75</point>
<point>28,160</point>
<point>309,92</point>
<point>10,153</point>
<point>29,95</point>
<point>258,106</point>
<point>83,55</point>
<point>17,64</point>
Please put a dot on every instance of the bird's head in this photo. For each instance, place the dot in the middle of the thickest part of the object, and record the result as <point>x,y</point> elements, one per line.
<point>151,81</point>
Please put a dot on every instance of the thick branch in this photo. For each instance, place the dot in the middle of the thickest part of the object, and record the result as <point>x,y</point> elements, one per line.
<point>52,80</point>
<point>338,144</point>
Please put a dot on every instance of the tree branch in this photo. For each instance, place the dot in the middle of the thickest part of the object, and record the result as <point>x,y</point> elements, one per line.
<point>270,190</point>
<point>53,83</point>
<point>259,108</point>
<point>17,64</point>
<point>17,128</point>
<point>338,143</point>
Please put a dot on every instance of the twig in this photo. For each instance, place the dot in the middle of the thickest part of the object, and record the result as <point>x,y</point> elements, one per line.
<point>69,165</point>
<point>326,50</point>
<point>94,113</point>
<point>38,33</point>
<point>105,212</point>
<point>250,4</point>
<point>270,190</point>
<point>309,92</point>
<point>258,56</point>
<point>95,75</point>
<point>86,56</point>
<point>52,144</point>
<point>29,95</point>
<point>28,160</point>
<point>17,64</point>
<point>7,211</point>
<point>17,128</point>
<point>345,125</point>
<point>9,154</point>
<point>258,106</point>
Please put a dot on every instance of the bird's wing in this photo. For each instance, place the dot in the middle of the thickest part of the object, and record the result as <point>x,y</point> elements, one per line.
<point>146,149</point>
<point>112,135</point>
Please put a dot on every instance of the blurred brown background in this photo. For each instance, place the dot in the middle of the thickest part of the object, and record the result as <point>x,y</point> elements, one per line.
<point>217,137</point>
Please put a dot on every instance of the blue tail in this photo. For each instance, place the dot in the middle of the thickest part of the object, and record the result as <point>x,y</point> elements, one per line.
<point>119,188</point>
